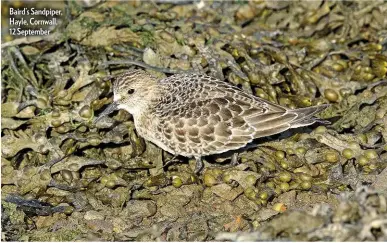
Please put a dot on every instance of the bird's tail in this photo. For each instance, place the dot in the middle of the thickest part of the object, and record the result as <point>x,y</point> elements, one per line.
<point>305,116</point>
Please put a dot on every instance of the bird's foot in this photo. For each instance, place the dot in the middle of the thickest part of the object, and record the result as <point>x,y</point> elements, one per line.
<point>171,161</point>
<point>47,166</point>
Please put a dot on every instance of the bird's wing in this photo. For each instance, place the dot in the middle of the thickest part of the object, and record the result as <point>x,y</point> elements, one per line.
<point>213,117</point>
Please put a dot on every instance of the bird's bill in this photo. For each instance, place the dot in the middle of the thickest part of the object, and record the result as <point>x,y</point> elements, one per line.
<point>112,107</point>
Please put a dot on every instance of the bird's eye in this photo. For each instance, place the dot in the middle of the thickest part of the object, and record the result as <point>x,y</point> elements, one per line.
<point>130,91</point>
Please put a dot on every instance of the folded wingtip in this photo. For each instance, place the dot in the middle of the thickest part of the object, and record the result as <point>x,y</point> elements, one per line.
<point>322,121</point>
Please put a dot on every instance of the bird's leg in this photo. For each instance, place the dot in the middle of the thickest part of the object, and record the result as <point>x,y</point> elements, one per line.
<point>234,159</point>
<point>199,165</point>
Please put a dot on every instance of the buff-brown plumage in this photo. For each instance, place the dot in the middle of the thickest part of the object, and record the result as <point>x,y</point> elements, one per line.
<point>196,115</point>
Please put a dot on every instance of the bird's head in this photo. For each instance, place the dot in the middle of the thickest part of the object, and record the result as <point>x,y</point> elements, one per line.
<point>133,91</point>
